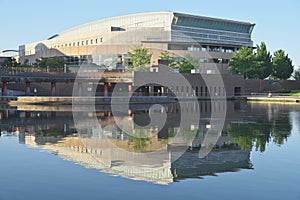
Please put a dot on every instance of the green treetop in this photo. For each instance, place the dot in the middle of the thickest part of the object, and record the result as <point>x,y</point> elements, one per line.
<point>263,62</point>
<point>140,58</point>
<point>282,65</point>
<point>242,61</point>
<point>184,65</point>
<point>53,63</point>
<point>260,64</point>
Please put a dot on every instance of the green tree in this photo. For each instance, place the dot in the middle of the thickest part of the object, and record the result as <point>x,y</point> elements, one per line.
<point>139,140</point>
<point>25,64</point>
<point>184,65</point>
<point>8,64</point>
<point>165,55</point>
<point>242,61</point>
<point>297,74</point>
<point>172,62</point>
<point>188,63</point>
<point>282,65</point>
<point>263,62</point>
<point>52,64</point>
<point>140,58</point>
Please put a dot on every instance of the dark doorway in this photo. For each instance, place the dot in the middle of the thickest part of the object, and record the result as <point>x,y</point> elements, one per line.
<point>237,91</point>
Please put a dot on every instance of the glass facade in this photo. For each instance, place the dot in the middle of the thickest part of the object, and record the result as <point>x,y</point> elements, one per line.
<point>181,33</point>
<point>210,30</point>
<point>211,23</point>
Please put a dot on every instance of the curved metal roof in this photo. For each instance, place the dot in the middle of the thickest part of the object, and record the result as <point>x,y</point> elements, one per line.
<point>132,20</point>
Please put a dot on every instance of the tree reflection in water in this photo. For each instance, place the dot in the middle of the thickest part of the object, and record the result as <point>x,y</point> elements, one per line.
<point>139,140</point>
<point>247,126</point>
<point>260,132</point>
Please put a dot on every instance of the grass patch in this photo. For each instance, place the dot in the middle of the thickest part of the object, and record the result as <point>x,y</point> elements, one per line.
<point>294,93</point>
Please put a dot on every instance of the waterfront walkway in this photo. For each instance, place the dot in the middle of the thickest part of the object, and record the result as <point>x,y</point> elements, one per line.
<point>283,99</point>
<point>25,100</point>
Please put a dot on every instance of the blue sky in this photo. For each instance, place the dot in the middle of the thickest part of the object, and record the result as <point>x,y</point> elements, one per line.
<point>277,22</point>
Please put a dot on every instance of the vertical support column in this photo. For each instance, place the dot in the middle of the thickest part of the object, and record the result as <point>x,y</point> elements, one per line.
<point>151,90</point>
<point>129,89</point>
<point>105,89</point>
<point>53,89</point>
<point>163,91</point>
<point>79,89</point>
<point>4,88</point>
<point>27,88</point>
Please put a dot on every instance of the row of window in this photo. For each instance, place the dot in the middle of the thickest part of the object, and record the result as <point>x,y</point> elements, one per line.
<point>196,37</point>
<point>202,106</point>
<point>211,49</point>
<point>197,30</point>
<point>203,48</point>
<point>180,38</point>
<point>200,91</point>
<point>211,36</point>
<point>80,43</point>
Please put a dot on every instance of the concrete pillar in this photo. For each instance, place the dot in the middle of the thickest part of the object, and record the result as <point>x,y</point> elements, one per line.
<point>53,89</point>
<point>27,88</point>
<point>151,90</point>
<point>162,91</point>
<point>105,89</point>
<point>130,89</point>
<point>79,89</point>
<point>4,88</point>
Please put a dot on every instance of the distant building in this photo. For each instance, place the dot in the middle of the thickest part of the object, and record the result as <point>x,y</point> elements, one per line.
<point>107,42</point>
<point>8,54</point>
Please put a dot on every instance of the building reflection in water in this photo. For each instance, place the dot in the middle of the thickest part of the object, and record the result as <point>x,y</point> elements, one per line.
<point>112,150</point>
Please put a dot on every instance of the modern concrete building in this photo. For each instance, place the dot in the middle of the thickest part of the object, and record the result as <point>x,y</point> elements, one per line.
<point>106,42</point>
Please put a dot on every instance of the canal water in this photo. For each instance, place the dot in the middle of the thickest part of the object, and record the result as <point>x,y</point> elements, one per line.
<point>45,155</point>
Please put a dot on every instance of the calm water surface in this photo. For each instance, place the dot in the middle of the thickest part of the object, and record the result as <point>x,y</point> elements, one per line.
<point>42,156</point>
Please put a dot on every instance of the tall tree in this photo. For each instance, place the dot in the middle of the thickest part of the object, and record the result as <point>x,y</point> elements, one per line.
<point>242,61</point>
<point>297,74</point>
<point>140,58</point>
<point>263,62</point>
<point>282,65</point>
<point>9,63</point>
<point>172,62</point>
